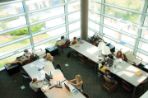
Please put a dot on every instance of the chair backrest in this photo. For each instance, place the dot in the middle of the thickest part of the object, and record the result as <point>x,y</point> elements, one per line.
<point>107,79</point>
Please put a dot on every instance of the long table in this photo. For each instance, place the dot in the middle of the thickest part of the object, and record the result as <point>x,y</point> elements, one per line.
<point>124,70</point>
<point>88,50</point>
<point>37,69</point>
<point>145,95</point>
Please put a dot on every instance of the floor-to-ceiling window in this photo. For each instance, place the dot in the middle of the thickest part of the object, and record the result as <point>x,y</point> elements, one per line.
<point>35,24</point>
<point>121,22</point>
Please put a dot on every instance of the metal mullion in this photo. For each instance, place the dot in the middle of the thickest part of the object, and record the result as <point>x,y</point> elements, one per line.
<point>141,22</point>
<point>102,18</point>
<point>66,18</point>
<point>28,23</point>
<point>12,29</point>
<point>14,41</point>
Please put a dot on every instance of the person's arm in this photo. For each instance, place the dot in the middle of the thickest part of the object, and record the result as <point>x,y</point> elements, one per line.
<point>73,81</point>
<point>79,83</point>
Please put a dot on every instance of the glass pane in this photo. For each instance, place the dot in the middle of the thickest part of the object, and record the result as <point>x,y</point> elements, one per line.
<point>56,32</point>
<point>11,9</point>
<point>55,22</point>
<point>74,26</point>
<point>38,27</point>
<point>118,46</point>
<point>95,7</point>
<point>44,45</point>
<point>145,33</point>
<point>90,33</point>
<point>40,4</point>
<point>94,17</point>
<point>123,15</point>
<point>13,35</point>
<point>48,24</point>
<point>9,59</point>
<point>144,57</point>
<point>46,14</point>
<point>143,46</point>
<point>93,25</point>
<point>121,25</point>
<point>74,34</point>
<point>74,16</point>
<point>36,5</point>
<point>126,40</point>
<point>113,34</point>
<point>131,4</point>
<point>40,38</point>
<point>74,6</point>
<point>146,21</point>
<point>12,23</point>
<point>14,46</point>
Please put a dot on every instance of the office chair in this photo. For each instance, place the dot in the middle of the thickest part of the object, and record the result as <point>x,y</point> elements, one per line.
<point>58,66</point>
<point>109,85</point>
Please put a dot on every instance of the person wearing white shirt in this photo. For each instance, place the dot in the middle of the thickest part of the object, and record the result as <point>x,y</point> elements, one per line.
<point>35,84</point>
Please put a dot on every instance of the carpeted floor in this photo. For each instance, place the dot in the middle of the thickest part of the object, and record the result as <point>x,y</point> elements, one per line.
<point>10,86</point>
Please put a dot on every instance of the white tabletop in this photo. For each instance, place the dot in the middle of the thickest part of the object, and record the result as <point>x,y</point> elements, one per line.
<point>124,70</point>
<point>38,68</point>
<point>87,49</point>
<point>46,67</point>
<point>145,95</point>
<point>61,92</point>
<point>128,72</point>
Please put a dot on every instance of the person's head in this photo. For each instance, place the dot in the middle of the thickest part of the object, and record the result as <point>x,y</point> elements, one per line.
<point>103,63</point>
<point>75,38</point>
<point>78,77</point>
<point>34,80</point>
<point>62,37</point>
<point>107,71</point>
<point>119,54</point>
<point>26,51</point>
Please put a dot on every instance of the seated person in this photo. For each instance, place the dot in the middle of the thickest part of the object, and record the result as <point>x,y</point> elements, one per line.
<point>21,59</point>
<point>48,57</point>
<point>121,55</point>
<point>107,76</point>
<point>61,41</point>
<point>103,67</point>
<point>35,84</point>
<point>27,54</point>
<point>124,58</point>
<point>74,41</point>
<point>77,81</point>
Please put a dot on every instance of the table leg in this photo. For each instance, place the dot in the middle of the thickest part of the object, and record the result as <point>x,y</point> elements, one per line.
<point>134,91</point>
